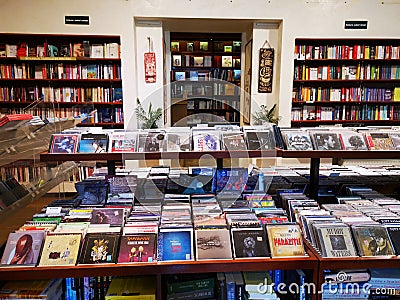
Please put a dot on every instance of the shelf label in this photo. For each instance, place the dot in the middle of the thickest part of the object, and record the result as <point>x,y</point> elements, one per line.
<point>355,24</point>
<point>77,20</point>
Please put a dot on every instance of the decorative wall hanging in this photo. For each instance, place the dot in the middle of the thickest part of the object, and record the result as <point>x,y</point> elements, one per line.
<point>265,72</point>
<point>150,71</point>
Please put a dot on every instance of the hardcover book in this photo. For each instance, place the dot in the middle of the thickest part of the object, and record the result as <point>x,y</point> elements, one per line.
<point>175,244</point>
<point>99,248</point>
<point>213,243</point>
<point>326,140</point>
<point>23,248</point>
<point>372,240</point>
<point>138,248</point>
<point>336,241</point>
<point>64,143</point>
<point>60,250</point>
<point>93,143</point>
<point>249,242</point>
<point>285,240</point>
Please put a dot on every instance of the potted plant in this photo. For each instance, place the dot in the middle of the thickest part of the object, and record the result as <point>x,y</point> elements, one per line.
<point>149,119</point>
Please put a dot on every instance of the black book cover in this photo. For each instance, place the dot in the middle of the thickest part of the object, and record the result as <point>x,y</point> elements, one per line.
<point>99,248</point>
<point>394,234</point>
<point>249,242</point>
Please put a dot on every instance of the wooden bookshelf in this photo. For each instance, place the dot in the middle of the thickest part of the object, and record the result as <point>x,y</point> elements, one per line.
<point>69,71</point>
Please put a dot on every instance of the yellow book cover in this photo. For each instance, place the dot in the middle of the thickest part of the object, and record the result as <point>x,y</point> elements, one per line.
<point>396,94</point>
<point>285,240</point>
<point>132,288</point>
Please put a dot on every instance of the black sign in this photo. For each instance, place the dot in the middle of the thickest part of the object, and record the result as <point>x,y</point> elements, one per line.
<point>77,20</point>
<point>355,24</point>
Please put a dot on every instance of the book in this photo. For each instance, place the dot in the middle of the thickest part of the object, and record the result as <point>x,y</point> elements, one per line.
<point>77,50</point>
<point>99,248</point>
<point>97,51</point>
<point>132,288</point>
<point>394,234</point>
<point>123,141</point>
<point>23,248</point>
<point>32,289</point>
<point>336,240</point>
<point>227,61</point>
<point>249,242</point>
<point>151,141</point>
<point>325,140</point>
<point>213,243</point>
<point>175,244</point>
<point>60,250</point>
<point>174,46</point>
<point>297,140</point>
<point>230,180</point>
<point>93,143</point>
<point>285,240</point>
<point>176,61</point>
<point>372,240</point>
<point>64,143</point>
<point>138,248</point>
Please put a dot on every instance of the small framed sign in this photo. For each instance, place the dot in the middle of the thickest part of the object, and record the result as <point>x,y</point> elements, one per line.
<point>355,24</point>
<point>77,20</point>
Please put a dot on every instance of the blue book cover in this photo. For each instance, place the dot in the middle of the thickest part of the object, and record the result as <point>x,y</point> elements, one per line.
<point>175,244</point>
<point>93,143</point>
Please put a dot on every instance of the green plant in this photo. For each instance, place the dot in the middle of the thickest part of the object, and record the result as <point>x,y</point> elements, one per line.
<point>149,119</point>
<point>265,115</point>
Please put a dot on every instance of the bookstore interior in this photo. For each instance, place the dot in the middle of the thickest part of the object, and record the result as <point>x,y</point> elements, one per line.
<point>212,187</point>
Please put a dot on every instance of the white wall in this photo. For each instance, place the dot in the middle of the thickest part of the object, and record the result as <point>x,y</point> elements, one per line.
<point>311,18</point>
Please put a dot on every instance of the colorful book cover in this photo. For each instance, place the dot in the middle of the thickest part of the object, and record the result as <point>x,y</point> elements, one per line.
<point>64,143</point>
<point>60,250</point>
<point>285,240</point>
<point>206,141</point>
<point>372,240</point>
<point>123,141</point>
<point>99,248</point>
<point>138,248</point>
<point>111,216</point>
<point>23,248</point>
<point>93,143</point>
<point>232,179</point>
<point>213,243</point>
<point>175,244</point>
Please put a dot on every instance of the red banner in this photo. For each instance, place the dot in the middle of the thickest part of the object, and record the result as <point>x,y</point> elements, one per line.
<point>150,67</point>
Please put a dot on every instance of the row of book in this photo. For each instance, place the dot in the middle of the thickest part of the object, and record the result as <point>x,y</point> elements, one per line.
<point>355,72</point>
<point>77,49</point>
<point>61,94</point>
<point>357,51</point>
<point>357,112</point>
<point>345,94</point>
<point>59,71</point>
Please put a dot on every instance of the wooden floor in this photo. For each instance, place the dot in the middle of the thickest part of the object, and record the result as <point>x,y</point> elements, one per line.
<point>12,219</point>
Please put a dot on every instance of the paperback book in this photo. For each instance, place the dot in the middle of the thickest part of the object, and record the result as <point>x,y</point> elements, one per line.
<point>175,244</point>
<point>297,140</point>
<point>336,240</point>
<point>93,143</point>
<point>326,140</point>
<point>260,140</point>
<point>123,141</point>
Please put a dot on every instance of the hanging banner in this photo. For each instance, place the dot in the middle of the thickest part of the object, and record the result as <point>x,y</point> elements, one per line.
<point>150,67</point>
<point>265,70</point>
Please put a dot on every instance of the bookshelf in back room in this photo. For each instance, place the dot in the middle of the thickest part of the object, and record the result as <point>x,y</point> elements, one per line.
<point>346,81</point>
<point>205,78</point>
<point>62,76</point>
